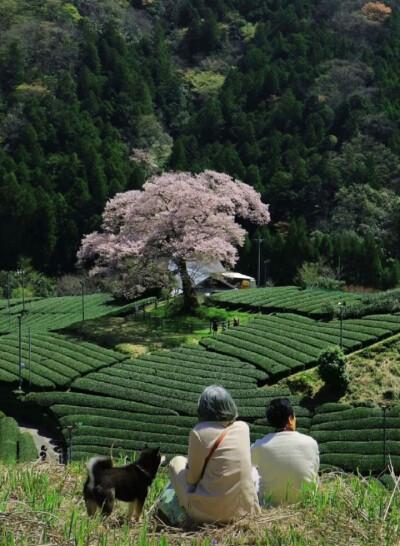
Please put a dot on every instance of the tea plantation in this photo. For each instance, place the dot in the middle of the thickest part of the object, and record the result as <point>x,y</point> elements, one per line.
<point>315,303</point>
<point>103,400</point>
<point>285,343</point>
<point>52,314</point>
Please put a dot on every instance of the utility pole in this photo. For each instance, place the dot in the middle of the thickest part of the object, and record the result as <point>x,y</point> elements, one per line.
<point>266,262</point>
<point>22,273</point>
<point>30,358</point>
<point>384,408</point>
<point>259,241</point>
<point>83,299</point>
<point>341,305</point>
<point>8,301</point>
<point>20,351</point>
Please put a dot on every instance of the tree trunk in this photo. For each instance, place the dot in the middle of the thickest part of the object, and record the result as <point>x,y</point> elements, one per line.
<point>190,302</point>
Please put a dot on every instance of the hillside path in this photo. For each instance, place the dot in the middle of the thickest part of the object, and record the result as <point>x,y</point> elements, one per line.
<point>42,437</point>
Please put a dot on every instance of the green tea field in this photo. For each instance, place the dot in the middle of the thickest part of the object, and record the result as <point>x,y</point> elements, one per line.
<point>105,401</point>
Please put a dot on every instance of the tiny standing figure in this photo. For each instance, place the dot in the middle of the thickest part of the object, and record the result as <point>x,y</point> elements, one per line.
<point>215,326</point>
<point>223,326</point>
<point>235,321</point>
<point>43,453</point>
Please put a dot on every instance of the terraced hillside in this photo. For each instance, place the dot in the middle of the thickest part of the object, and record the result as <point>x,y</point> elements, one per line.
<point>285,343</point>
<point>104,401</point>
<point>165,382</point>
<point>52,314</point>
<point>50,361</point>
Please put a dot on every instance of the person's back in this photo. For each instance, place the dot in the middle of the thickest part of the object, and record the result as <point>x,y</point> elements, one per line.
<point>214,483</point>
<point>226,490</point>
<point>285,459</point>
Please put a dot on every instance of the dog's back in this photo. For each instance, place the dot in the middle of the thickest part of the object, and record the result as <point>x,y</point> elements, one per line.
<point>96,466</point>
<point>129,483</point>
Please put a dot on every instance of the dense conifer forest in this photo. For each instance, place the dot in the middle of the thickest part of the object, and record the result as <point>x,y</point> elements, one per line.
<point>299,99</point>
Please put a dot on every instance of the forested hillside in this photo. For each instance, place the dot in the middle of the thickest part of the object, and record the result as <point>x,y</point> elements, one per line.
<point>298,98</point>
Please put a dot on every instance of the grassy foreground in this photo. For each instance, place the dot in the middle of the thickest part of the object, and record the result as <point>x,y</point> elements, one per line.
<point>41,504</point>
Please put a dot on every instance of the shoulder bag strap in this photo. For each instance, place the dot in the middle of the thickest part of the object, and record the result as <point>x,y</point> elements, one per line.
<point>214,447</point>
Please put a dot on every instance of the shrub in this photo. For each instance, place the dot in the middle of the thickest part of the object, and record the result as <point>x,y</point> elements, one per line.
<point>318,275</point>
<point>9,434</point>
<point>26,448</point>
<point>332,368</point>
<point>173,342</point>
<point>376,11</point>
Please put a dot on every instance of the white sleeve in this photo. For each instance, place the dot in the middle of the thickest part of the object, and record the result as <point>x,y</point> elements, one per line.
<point>254,452</point>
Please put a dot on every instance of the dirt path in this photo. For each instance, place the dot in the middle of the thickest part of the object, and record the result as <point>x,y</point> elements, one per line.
<point>43,438</point>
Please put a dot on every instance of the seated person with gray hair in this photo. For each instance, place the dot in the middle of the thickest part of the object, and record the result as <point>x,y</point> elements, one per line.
<point>214,483</point>
<point>285,459</point>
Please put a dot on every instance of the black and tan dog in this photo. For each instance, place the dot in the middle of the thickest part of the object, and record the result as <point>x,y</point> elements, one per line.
<point>129,483</point>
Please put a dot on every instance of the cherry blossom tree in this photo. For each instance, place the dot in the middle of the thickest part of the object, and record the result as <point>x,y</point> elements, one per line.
<point>176,218</point>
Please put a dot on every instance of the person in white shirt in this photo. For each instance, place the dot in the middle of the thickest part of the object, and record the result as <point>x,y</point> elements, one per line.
<point>285,459</point>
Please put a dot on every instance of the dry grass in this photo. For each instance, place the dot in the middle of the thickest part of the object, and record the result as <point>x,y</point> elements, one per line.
<point>375,374</point>
<point>41,504</point>
<point>374,377</point>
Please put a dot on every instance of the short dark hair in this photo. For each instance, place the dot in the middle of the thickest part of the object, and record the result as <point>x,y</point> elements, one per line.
<point>279,411</point>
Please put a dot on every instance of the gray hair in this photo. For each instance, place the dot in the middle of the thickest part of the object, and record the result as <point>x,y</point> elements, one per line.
<point>216,404</point>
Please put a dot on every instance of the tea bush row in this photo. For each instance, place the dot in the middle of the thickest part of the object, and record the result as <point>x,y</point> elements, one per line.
<point>275,364</point>
<point>179,364</point>
<point>15,445</point>
<point>56,313</point>
<point>77,413</point>
<point>80,399</point>
<point>286,298</point>
<point>312,330</point>
<point>141,394</point>
<point>173,373</point>
<point>167,382</point>
<point>366,423</point>
<point>102,418</point>
<point>282,345</point>
<point>50,361</point>
<point>191,355</point>
<point>47,344</point>
<point>278,343</point>
<point>346,414</point>
<point>106,444</point>
<point>170,376</point>
<point>366,447</point>
<point>118,434</point>
<point>253,293</point>
<point>129,425</point>
<point>351,462</point>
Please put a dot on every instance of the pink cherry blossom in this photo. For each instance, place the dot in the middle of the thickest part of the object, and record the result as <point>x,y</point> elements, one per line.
<point>177,217</point>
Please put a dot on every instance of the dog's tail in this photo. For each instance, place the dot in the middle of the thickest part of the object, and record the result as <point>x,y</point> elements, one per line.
<point>95,466</point>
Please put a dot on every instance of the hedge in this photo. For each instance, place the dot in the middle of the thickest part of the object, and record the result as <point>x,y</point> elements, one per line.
<point>9,435</point>
<point>117,425</point>
<point>366,447</point>
<point>87,384</point>
<point>26,448</point>
<point>79,413</point>
<point>364,463</point>
<point>95,401</point>
<point>367,423</point>
<point>55,313</point>
<point>286,298</point>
